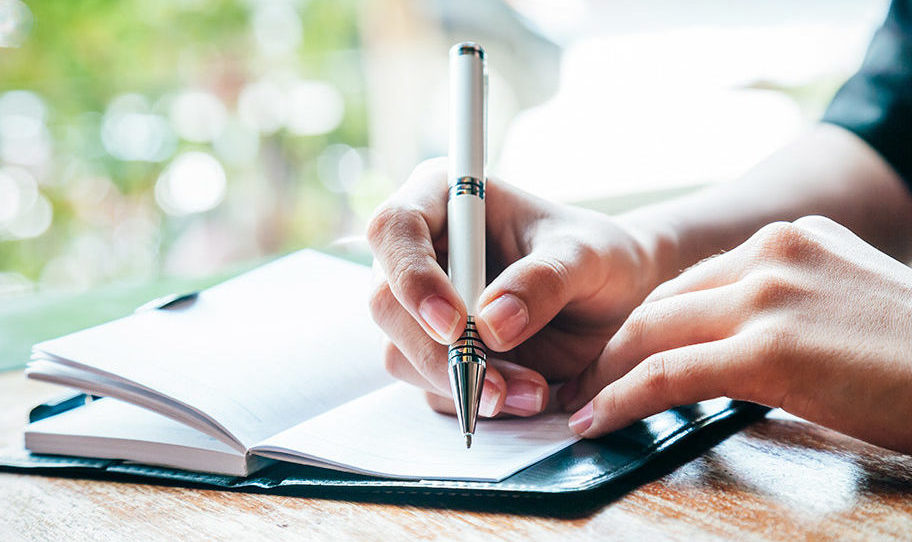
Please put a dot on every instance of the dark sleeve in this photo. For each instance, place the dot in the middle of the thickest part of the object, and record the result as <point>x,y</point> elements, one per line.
<point>876,103</point>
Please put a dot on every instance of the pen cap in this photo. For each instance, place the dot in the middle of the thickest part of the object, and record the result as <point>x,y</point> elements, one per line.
<point>467,111</point>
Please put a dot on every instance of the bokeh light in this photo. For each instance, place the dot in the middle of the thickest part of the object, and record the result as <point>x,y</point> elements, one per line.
<point>24,211</point>
<point>340,168</point>
<point>261,106</point>
<point>198,116</point>
<point>30,221</point>
<point>130,131</point>
<point>24,137</point>
<point>15,23</point>
<point>314,108</point>
<point>193,183</point>
<point>17,192</point>
<point>276,27</point>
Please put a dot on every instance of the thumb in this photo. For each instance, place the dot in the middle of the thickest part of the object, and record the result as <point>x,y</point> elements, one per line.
<point>530,292</point>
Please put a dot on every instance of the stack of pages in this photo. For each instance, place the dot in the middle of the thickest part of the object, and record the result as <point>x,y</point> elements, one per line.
<point>281,363</point>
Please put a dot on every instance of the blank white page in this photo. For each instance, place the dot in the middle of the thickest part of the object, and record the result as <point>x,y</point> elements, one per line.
<point>258,353</point>
<point>111,429</point>
<point>392,432</point>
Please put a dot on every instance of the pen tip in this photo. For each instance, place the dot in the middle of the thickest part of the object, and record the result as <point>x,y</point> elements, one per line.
<point>468,440</point>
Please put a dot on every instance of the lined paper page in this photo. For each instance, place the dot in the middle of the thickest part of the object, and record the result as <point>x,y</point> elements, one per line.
<point>258,353</point>
<point>393,433</point>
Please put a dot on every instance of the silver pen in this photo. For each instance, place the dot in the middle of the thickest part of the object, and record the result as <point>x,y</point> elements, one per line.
<point>466,223</point>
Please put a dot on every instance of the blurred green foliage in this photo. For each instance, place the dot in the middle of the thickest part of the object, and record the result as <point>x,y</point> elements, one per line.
<point>81,55</point>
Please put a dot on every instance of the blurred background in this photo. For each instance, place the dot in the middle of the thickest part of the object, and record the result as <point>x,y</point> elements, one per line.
<point>141,139</point>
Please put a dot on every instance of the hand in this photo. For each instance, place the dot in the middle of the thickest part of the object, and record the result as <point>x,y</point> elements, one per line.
<point>804,316</point>
<point>561,280</point>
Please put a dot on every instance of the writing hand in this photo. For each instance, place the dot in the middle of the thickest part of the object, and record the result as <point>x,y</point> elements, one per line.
<point>561,280</point>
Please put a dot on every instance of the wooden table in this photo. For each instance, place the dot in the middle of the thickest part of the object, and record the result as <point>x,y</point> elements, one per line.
<point>781,479</point>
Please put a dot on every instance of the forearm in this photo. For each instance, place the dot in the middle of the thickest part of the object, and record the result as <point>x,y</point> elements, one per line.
<point>828,171</point>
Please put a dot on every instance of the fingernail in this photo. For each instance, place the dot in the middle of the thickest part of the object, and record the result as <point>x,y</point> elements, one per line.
<point>582,420</point>
<point>524,397</point>
<point>490,396</point>
<point>506,317</point>
<point>568,392</point>
<point>440,316</point>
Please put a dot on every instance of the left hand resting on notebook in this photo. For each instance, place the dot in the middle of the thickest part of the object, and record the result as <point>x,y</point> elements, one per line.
<point>804,316</point>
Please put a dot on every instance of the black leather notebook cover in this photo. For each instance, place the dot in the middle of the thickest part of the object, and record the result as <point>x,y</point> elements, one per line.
<point>608,466</point>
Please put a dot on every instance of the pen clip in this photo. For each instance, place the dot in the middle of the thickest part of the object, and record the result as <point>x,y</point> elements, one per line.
<point>169,302</point>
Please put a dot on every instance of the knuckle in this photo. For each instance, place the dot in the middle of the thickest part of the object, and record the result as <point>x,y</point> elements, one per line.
<point>637,322</point>
<point>655,377</point>
<point>393,221</point>
<point>785,241</point>
<point>769,289</point>
<point>775,231</point>
<point>812,221</point>
<point>584,255</point>
<point>765,363</point>
<point>408,265</point>
<point>553,271</point>
<point>379,224</point>
<point>772,342</point>
<point>381,302</point>
<point>412,277</point>
<point>660,291</point>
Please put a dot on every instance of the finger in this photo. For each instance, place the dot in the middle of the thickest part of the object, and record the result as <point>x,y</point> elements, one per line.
<point>527,390</point>
<point>441,404</point>
<point>712,272</point>
<point>531,291</point>
<point>774,242</point>
<point>399,367</point>
<point>401,235</point>
<point>657,326</point>
<point>492,396</point>
<point>427,357</point>
<point>665,380</point>
<point>415,358</point>
<point>515,382</point>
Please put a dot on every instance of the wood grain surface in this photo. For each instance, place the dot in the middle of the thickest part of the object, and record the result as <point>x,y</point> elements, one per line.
<point>781,479</point>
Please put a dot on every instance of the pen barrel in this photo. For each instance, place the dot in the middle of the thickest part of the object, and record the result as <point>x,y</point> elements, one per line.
<point>466,173</point>
<point>468,112</point>
<point>466,248</point>
<point>466,223</point>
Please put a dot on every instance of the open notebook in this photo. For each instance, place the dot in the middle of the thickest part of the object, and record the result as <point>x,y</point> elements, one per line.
<point>280,363</point>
